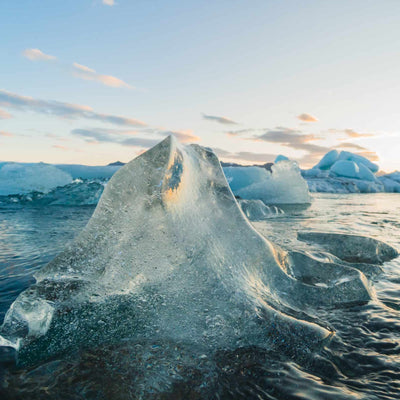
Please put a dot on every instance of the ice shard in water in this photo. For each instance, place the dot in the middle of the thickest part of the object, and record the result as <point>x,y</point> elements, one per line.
<point>169,253</point>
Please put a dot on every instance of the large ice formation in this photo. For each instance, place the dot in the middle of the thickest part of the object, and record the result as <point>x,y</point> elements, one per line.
<point>25,178</point>
<point>169,254</point>
<point>283,185</point>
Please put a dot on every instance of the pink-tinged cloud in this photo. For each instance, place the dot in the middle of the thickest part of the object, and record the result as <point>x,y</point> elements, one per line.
<point>371,155</point>
<point>185,136</point>
<point>57,146</point>
<point>61,109</point>
<point>353,134</point>
<point>307,118</point>
<point>6,134</point>
<point>109,2</point>
<point>5,115</point>
<point>37,55</point>
<point>89,74</point>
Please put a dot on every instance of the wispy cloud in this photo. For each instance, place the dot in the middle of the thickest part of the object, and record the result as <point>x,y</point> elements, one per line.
<point>351,146</point>
<point>128,138</point>
<point>6,134</point>
<point>109,2</point>
<point>353,134</point>
<point>350,133</point>
<point>89,74</point>
<point>185,136</point>
<point>61,109</point>
<point>221,120</point>
<point>241,133</point>
<point>37,55</point>
<point>371,155</point>
<point>286,137</point>
<point>5,115</point>
<point>297,140</point>
<point>307,118</point>
<point>99,136</point>
<point>245,156</point>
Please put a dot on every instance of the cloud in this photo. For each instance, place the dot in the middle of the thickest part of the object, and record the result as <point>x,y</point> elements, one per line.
<point>286,137</point>
<point>351,146</point>
<point>98,135</point>
<point>353,134</point>
<point>4,115</point>
<point>109,2</point>
<point>350,133</point>
<point>37,55</point>
<point>242,132</point>
<point>371,155</point>
<point>307,118</point>
<point>61,109</point>
<point>295,139</point>
<point>6,134</point>
<point>221,120</point>
<point>183,136</point>
<point>89,74</point>
<point>245,156</point>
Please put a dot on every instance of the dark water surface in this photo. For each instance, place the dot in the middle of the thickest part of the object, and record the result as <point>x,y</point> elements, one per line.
<point>362,361</point>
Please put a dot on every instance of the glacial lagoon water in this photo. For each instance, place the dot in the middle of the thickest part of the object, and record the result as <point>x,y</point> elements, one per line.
<point>361,361</point>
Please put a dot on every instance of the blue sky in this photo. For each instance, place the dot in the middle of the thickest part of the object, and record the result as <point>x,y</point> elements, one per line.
<point>90,82</point>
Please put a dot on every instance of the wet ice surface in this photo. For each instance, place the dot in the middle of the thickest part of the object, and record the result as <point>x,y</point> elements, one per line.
<point>360,362</point>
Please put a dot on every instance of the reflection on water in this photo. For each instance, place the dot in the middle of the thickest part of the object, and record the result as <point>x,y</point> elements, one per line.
<point>361,361</point>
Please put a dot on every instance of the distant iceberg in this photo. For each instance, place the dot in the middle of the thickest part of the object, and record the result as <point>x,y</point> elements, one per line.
<point>17,178</point>
<point>282,185</point>
<point>169,254</point>
<point>346,172</point>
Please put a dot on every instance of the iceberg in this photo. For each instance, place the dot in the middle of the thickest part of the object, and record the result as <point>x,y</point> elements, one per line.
<point>346,172</point>
<point>327,160</point>
<point>18,178</point>
<point>168,254</point>
<point>283,185</point>
<point>359,160</point>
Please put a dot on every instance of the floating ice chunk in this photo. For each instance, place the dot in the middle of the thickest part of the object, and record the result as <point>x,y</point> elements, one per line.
<point>351,248</point>
<point>29,313</point>
<point>284,185</point>
<point>346,169</point>
<point>327,160</point>
<point>24,178</point>
<point>347,155</point>
<point>256,210</point>
<point>240,177</point>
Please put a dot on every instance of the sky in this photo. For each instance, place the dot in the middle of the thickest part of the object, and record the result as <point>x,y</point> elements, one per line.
<point>96,81</point>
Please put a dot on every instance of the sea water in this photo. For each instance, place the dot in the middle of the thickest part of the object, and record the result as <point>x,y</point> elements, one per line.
<point>362,360</point>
